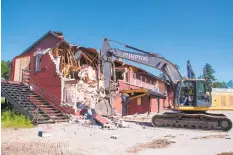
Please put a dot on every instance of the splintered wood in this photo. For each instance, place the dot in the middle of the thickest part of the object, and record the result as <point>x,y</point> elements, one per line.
<point>70,64</point>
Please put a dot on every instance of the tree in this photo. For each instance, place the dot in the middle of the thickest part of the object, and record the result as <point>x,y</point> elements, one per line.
<point>208,73</point>
<point>230,84</point>
<point>224,85</point>
<point>163,76</point>
<point>5,69</point>
<point>218,84</point>
<point>178,67</point>
<point>200,77</point>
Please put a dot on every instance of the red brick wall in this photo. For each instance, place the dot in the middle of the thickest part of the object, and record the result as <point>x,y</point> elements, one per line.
<point>47,77</point>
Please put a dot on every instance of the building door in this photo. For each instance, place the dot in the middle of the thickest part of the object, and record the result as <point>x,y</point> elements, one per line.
<point>21,64</point>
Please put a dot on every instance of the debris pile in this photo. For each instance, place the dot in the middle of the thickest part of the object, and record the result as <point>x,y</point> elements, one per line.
<point>82,89</point>
<point>90,119</point>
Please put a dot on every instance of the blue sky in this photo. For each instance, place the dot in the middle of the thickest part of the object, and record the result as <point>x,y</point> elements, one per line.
<point>200,30</point>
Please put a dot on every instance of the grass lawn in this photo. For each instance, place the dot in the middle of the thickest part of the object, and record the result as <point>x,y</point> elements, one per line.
<point>12,119</point>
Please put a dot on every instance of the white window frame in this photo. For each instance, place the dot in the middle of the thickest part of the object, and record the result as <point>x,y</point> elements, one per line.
<point>134,78</point>
<point>141,81</point>
<point>37,62</point>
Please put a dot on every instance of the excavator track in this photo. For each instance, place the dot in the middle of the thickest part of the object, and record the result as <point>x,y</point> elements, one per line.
<point>203,121</point>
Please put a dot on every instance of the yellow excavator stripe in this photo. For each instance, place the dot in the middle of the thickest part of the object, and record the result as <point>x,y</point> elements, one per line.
<point>203,108</point>
<point>131,98</point>
<point>135,91</point>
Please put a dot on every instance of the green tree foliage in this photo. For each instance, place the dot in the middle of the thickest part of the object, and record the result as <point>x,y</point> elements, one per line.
<point>230,84</point>
<point>224,85</point>
<point>208,72</point>
<point>163,76</point>
<point>218,84</point>
<point>200,77</point>
<point>5,69</point>
<point>178,67</point>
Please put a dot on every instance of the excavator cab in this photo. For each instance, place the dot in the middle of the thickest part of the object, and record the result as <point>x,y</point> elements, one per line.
<point>192,93</point>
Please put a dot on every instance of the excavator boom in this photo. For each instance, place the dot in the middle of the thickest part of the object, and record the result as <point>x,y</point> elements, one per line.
<point>148,59</point>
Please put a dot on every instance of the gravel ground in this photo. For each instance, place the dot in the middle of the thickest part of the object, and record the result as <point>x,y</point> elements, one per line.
<point>75,139</point>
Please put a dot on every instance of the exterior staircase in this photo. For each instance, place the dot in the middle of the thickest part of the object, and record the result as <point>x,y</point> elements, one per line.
<point>37,107</point>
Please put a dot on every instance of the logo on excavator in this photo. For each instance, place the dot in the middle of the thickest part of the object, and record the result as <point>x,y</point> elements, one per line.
<point>135,57</point>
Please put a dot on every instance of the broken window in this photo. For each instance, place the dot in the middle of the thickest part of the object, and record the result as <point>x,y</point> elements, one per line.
<point>119,75</point>
<point>37,62</point>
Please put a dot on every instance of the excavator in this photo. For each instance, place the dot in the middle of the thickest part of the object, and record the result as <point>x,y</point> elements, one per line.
<point>192,97</point>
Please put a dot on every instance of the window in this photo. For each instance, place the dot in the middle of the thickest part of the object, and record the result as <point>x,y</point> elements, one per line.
<point>141,80</point>
<point>126,77</point>
<point>119,75</point>
<point>153,82</point>
<point>134,78</point>
<point>202,94</point>
<point>139,101</point>
<point>187,94</point>
<point>37,63</point>
<point>134,75</point>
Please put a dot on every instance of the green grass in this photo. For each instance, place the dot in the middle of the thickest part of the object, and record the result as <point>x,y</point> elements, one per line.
<point>12,119</point>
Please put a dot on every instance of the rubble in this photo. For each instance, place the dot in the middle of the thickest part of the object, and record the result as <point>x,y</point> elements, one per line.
<point>97,121</point>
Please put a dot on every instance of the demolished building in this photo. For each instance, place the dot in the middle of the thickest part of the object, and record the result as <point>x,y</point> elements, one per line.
<point>68,73</point>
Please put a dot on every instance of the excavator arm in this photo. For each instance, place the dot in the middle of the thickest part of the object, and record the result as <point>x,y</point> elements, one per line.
<point>108,54</point>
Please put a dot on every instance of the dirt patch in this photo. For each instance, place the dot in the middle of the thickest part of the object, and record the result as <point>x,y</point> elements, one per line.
<point>213,136</point>
<point>36,148</point>
<point>226,153</point>
<point>154,144</point>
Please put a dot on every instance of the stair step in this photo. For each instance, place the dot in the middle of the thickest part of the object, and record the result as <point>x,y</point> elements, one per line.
<point>53,112</point>
<point>32,95</point>
<point>50,109</point>
<point>42,105</point>
<point>45,122</point>
<point>31,102</point>
<point>37,101</point>
<point>28,106</point>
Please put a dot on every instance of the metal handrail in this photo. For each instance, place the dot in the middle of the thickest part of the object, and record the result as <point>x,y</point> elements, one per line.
<point>49,97</point>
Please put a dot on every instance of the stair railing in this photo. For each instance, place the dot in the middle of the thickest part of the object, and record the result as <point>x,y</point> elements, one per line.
<point>47,96</point>
<point>33,115</point>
